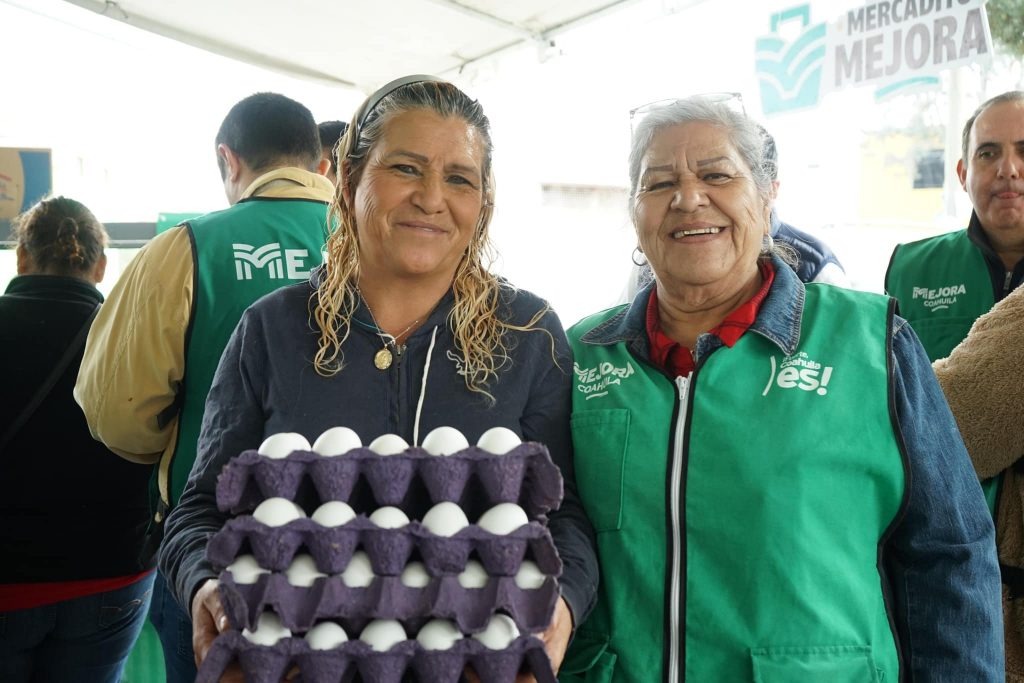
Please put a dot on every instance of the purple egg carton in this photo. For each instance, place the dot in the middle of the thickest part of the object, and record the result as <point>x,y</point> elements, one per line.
<point>301,607</point>
<point>389,550</point>
<point>525,476</point>
<point>268,664</point>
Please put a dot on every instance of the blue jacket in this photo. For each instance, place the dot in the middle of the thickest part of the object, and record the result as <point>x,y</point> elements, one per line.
<point>266,383</point>
<point>814,254</point>
<point>941,555</point>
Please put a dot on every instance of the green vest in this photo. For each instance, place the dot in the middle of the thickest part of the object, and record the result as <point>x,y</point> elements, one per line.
<point>942,284</point>
<point>239,255</point>
<point>779,476</point>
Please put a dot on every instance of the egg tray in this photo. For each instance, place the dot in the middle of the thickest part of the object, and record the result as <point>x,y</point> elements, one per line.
<point>269,664</point>
<point>389,550</point>
<point>301,607</point>
<point>525,475</point>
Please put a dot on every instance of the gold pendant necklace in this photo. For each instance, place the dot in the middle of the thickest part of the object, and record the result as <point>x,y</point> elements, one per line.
<point>382,359</point>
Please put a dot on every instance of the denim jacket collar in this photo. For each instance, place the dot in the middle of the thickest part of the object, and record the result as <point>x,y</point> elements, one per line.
<point>778,320</point>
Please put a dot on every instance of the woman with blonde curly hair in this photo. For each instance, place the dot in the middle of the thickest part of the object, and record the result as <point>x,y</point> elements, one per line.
<point>404,329</point>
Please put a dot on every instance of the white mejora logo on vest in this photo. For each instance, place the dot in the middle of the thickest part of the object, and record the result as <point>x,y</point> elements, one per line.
<point>278,261</point>
<point>595,381</point>
<point>799,372</point>
<point>938,299</point>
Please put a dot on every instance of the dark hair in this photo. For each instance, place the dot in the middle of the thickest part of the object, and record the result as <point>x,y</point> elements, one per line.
<point>60,236</point>
<point>330,136</point>
<point>1008,96</point>
<point>268,130</point>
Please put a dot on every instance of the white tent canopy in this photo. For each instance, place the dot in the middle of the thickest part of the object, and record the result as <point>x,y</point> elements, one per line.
<point>357,43</point>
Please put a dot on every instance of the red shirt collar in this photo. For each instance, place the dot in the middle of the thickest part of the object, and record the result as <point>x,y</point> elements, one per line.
<point>675,358</point>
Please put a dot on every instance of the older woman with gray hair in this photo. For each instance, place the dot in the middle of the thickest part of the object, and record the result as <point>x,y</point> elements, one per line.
<point>778,487</point>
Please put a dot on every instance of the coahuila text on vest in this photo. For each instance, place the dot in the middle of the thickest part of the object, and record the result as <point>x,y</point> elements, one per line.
<point>279,263</point>
<point>799,372</point>
<point>595,381</point>
<point>940,297</point>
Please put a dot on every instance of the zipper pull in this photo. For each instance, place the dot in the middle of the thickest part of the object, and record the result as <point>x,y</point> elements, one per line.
<point>1006,282</point>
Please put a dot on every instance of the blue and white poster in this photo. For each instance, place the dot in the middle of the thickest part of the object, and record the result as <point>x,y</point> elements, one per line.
<point>892,45</point>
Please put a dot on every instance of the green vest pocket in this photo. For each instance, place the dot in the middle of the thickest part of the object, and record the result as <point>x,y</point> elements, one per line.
<point>834,664</point>
<point>588,660</point>
<point>599,440</point>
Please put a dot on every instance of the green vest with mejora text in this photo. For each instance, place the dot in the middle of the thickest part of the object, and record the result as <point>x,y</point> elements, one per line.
<point>943,285</point>
<point>239,255</point>
<point>788,475</point>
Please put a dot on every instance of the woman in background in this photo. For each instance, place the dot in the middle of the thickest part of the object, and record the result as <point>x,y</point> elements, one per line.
<point>75,580</point>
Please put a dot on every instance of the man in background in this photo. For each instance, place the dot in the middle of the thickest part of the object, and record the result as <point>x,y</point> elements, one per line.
<point>152,352</point>
<point>944,283</point>
<point>330,136</point>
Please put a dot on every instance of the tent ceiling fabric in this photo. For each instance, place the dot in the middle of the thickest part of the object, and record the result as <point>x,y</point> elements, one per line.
<point>358,43</point>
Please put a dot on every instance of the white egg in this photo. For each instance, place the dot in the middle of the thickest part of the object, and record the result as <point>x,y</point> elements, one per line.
<point>498,440</point>
<point>337,441</point>
<point>438,634</point>
<point>445,519</point>
<point>303,571</point>
<point>326,635</point>
<point>269,630</point>
<point>445,441</point>
<point>359,572</point>
<point>415,575</point>
<point>388,444</point>
<point>389,517</point>
<point>333,513</point>
<point>503,518</point>
<point>277,512</point>
<point>500,631</point>
<point>382,634</point>
<point>474,575</point>
<point>282,444</point>
<point>245,570</point>
<point>529,576</point>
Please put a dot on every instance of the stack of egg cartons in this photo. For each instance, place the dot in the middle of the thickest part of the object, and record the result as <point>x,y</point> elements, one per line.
<point>361,564</point>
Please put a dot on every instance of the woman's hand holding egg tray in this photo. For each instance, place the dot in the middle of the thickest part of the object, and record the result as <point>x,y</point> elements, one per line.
<point>361,570</point>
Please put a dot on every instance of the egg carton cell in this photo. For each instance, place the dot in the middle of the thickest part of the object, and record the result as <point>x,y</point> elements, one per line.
<point>270,663</point>
<point>470,477</point>
<point>389,550</point>
<point>300,607</point>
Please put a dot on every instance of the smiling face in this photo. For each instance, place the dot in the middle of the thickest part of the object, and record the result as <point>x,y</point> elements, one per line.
<point>419,199</point>
<point>993,174</point>
<point>699,217</point>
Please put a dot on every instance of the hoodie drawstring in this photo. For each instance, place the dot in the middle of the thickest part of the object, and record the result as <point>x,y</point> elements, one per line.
<point>423,390</point>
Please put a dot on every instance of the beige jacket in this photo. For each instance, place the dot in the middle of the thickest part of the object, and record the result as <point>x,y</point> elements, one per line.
<point>983,379</point>
<point>135,354</point>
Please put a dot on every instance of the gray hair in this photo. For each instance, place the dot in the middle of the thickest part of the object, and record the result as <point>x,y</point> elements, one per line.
<point>744,134</point>
<point>1008,96</point>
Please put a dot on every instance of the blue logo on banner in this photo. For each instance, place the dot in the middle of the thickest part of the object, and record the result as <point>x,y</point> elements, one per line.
<point>789,72</point>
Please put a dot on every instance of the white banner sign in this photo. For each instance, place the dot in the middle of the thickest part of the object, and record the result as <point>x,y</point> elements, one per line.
<point>894,40</point>
<point>888,44</point>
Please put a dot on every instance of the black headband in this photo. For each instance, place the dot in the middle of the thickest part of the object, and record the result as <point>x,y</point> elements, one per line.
<point>373,100</point>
